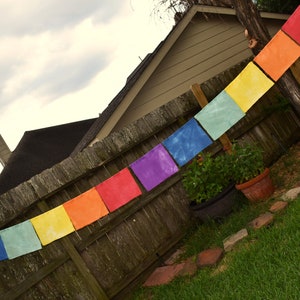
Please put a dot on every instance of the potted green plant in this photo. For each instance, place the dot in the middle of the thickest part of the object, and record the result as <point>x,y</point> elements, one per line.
<point>208,183</point>
<point>251,176</point>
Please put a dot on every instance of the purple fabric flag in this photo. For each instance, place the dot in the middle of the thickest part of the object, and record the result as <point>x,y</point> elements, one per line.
<point>185,143</point>
<point>154,167</point>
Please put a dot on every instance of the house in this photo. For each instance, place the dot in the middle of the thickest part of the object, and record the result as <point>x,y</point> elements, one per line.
<point>207,41</point>
<point>41,149</point>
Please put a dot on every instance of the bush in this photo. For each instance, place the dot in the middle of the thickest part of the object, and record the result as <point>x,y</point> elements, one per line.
<point>247,162</point>
<point>207,176</point>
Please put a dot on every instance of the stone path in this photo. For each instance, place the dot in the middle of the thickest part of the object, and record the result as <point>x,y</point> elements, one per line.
<point>211,257</point>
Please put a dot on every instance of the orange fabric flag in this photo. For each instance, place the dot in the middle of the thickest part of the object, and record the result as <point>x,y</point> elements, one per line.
<point>85,208</point>
<point>278,55</point>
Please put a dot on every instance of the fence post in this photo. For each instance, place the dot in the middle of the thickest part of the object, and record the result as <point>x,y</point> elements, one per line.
<point>90,280</point>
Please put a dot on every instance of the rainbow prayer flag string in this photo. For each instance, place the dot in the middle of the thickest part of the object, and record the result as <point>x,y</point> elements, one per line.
<point>162,162</point>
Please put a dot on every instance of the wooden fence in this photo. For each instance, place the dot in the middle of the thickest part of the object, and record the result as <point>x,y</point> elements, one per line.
<point>111,256</point>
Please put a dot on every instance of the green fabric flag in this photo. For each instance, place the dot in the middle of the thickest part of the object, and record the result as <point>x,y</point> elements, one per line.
<point>219,115</point>
<point>20,239</point>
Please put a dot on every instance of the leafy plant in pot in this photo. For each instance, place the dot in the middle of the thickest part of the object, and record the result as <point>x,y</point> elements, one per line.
<point>251,176</point>
<point>208,183</point>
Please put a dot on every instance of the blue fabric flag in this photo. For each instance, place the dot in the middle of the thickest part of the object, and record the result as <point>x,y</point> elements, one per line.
<point>185,143</point>
<point>3,254</point>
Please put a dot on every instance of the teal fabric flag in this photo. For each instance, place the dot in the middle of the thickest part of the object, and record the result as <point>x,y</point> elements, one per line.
<point>20,239</point>
<point>3,254</point>
<point>219,115</point>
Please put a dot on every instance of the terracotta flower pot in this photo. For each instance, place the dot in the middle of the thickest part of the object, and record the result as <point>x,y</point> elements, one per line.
<point>259,188</point>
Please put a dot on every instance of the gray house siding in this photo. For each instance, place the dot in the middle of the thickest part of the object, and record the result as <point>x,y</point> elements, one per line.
<point>206,48</point>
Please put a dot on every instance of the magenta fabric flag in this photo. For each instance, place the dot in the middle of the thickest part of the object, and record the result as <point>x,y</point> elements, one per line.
<point>118,190</point>
<point>292,26</point>
<point>154,167</point>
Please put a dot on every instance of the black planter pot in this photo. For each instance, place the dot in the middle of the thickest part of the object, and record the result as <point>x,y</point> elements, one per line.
<point>217,207</point>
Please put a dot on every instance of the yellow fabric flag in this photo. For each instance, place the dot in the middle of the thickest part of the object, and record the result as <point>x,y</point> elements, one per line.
<point>52,225</point>
<point>248,86</point>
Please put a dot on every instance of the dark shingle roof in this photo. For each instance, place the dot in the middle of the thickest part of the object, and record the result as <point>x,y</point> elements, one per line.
<point>41,149</point>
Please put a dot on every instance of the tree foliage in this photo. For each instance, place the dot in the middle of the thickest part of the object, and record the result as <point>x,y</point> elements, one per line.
<point>278,6</point>
<point>173,7</point>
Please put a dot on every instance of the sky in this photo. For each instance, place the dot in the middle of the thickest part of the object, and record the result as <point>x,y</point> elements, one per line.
<point>64,61</point>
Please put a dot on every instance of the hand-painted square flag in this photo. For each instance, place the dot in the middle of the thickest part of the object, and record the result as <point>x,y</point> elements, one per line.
<point>86,208</point>
<point>3,254</point>
<point>248,86</point>
<point>52,225</point>
<point>20,239</point>
<point>185,143</point>
<point>154,167</point>
<point>292,25</point>
<point>219,115</point>
<point>278,55</point>
<point>118,190</point>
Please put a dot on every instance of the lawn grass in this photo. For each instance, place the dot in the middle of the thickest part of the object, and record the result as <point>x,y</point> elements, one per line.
<point>265,265</point>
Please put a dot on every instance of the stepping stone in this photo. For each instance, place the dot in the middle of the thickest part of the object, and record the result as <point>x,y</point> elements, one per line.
<point>232,240</point>
<point>263,220</point>
<point>190,267</point>
<point>163,275</point>
<point>209,257</point>
<point>278,206</point>
<point>291,194</point>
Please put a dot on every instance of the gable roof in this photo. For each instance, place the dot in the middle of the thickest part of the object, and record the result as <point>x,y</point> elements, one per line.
<point>112,106</point>
<point>41,149</point>
<point>146,68</point>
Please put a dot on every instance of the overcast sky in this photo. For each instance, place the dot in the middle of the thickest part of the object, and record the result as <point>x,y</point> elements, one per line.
<point>64,61</point>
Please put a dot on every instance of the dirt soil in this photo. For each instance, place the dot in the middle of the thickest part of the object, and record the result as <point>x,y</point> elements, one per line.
<point>285,173</point>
